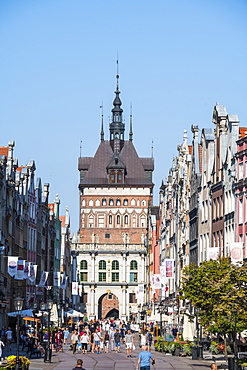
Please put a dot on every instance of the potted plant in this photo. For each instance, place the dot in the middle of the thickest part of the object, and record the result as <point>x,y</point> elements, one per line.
<point>24,362</point>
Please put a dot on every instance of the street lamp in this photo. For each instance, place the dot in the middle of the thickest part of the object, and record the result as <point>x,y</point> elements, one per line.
<point>47,307</point>
<point>235,312</point>
<point>18,303</point>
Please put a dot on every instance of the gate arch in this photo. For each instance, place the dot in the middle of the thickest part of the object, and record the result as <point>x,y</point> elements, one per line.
<point>108,306</point>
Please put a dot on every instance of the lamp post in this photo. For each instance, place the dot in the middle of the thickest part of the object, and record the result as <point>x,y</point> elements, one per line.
<point>47,307</point>
<point>235,312</point>
<point>18,302</point>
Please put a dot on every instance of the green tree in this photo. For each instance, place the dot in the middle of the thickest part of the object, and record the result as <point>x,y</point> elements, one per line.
<point>218,289</point>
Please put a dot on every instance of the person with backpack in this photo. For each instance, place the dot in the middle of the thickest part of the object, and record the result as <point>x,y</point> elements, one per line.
<point>149,340</point>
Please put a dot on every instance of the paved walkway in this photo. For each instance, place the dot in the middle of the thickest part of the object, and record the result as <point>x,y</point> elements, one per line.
<point>118,361</point>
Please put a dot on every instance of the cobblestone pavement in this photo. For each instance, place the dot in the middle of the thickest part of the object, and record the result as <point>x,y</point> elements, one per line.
<point>117,361</point>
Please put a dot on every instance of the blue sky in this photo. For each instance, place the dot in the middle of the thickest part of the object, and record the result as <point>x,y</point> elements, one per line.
<point>58,64</point>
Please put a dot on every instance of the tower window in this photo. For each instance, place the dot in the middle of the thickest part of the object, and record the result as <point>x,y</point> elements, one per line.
<point>111,203</point>
<point>83,276</point>
<point>126,220</point>
<point>125,202</point>
<point>133,277</point>
<point>102,277</point>
<point>133,265</point>
<point>103,202</point>
<point>118,219</point>
<point>118,202</point>
<point>115,265</point>
<point>110,220</point>
<point>115,277</point>
<point>102,265</point>
<point>83,265</point>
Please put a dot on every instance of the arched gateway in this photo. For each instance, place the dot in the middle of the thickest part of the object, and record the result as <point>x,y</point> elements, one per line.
<point>108,306</point>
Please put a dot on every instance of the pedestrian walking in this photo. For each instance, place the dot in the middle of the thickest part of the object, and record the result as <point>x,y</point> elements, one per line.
<point>149,340</point>
<point>9,337</point>
<point>129,343</point>
<point>106,341</point>
<point>79,364</point>
<point>112,341</point>
<point>1,348</point>
<point>144,359</point>
<point>117,338</point>
<point>85,340</point>
<point>97,338</point>
<point>74,340</point>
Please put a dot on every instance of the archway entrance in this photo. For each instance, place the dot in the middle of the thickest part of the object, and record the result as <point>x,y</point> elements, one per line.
<point>108,306</point>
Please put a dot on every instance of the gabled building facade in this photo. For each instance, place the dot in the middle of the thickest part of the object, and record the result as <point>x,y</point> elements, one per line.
<point>115,196</point>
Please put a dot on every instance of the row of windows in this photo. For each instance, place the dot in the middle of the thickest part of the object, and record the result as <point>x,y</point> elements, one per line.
<point>111,202</point>
<point>114,277</point>
<point>118,220</point>
<point>114,265</point>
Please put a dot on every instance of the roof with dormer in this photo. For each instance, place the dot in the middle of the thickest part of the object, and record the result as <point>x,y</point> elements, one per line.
<point>135,167</point>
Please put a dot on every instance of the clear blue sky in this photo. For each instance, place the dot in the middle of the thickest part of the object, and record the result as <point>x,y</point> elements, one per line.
<point>58,64</point>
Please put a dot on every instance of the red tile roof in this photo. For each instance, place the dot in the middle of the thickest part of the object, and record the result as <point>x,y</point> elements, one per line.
<point>242,132</point>
<point>4,150</point>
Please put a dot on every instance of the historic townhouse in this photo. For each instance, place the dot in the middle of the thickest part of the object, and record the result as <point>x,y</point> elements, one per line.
<point>205,216</point>
<point>174,238</point>
<point>115,196</point>
<point>195,189</point>
<point>241,189</point>
<point>29,230</point>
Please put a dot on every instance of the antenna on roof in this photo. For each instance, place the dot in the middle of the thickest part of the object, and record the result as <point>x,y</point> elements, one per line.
<point>102,123</point>
<point>80,147</point>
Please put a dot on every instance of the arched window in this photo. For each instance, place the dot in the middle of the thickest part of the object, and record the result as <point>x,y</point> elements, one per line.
<point>102,265</point>
<point>125,202</point>
<point>118,202</point>
<point>118,219</point>
<point>111,203</point>
<point>103,202</point>
<point>115,265</point>
<point>110,220</point>
<point>133,265</point>
<point>126,220</point>
<point>133,275</point>
<point>83,265</point>
<point>91,220</point>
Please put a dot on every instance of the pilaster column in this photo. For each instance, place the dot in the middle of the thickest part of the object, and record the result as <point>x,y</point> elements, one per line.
<point>142,268</point>
<point>93,267</point>
<point>124,277</point>
<point>92,301</point>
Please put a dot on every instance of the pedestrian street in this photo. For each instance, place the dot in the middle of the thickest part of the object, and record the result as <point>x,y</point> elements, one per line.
<point>117,361</point>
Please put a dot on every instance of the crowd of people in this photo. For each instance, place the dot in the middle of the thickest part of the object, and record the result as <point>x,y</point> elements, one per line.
<point>102,336</point>
<point>107,335</point>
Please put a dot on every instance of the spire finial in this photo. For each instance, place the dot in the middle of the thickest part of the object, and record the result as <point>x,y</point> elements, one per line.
<point>102,134</point>
<point>152,149</point>
<point>117,76</point>
<point>80,147</point>
<point>131,132</point>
